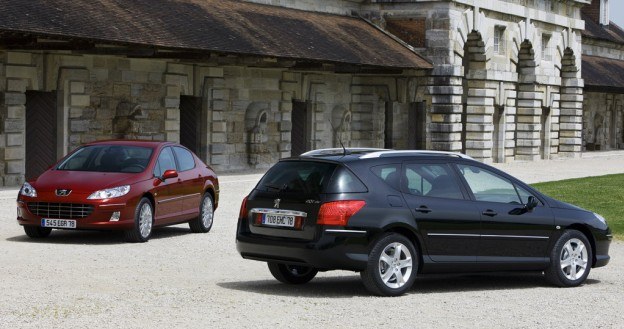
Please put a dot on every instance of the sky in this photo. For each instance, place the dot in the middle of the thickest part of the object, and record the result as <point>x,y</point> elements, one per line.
<point>616,12</point>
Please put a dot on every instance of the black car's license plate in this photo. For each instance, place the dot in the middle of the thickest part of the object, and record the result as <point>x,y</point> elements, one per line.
<point>278,220</point>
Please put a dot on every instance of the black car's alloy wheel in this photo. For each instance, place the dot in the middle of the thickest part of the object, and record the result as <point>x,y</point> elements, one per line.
<point>203,223</point>
<point>293,274</point>
<point>570,260</point>
<point>37,231</point>
<point>392,266</point>
<point>143,222</point>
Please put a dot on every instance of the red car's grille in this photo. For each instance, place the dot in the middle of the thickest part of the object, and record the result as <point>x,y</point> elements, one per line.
<point>60,210</point>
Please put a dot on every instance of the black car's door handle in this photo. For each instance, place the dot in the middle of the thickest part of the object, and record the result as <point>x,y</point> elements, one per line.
<point>490,213</point>
<point>423,209</point>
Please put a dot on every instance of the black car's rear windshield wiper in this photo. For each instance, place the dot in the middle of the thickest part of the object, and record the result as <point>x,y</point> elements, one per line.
<point>275,187</point>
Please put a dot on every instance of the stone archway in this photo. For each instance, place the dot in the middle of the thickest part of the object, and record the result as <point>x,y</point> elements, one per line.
<point>256,120</point>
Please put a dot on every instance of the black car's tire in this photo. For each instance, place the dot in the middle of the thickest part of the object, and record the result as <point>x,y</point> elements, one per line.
<point>570,260</point>
<point>392,266</point>
<point>203,222</point>
<point>37,232</point>
<point>292,274</point>
<point>143,222</point>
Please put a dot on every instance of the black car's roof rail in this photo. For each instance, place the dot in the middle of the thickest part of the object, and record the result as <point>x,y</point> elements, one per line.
<point>339,151</point>
<point>383,153</point>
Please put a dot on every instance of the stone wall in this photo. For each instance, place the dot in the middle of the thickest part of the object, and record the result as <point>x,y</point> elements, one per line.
<point>603,121</point>
<point>246,112</point>
<point>18,72</point>
<point>498,97</point>
<point>603,112</point>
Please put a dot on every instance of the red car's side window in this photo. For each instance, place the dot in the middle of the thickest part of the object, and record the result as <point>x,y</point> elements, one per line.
<point>165,162</point>
<point>185,158</point>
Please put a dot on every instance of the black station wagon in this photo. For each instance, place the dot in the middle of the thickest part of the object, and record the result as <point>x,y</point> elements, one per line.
<point>392,215</point>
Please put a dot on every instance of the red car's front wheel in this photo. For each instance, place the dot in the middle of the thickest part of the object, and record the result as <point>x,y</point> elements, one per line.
<point>37,231</point>
<point>143,222</point>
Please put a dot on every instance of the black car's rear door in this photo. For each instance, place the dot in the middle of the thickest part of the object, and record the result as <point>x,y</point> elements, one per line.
<point>286,202</point>
<point>509,233</point>
<point>447,220</point>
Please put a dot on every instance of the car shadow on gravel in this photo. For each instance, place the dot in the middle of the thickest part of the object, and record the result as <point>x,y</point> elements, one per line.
<point>98,237</point>
<point>338,287</point>
<point>351,286</point>
<point>433,284</point>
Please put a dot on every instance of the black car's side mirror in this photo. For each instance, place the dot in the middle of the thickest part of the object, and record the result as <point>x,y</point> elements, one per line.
<point>531,203</point>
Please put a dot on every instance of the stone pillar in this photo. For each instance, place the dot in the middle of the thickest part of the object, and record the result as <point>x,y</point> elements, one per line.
<point>289,85</point>
<point>74,122</point>
<point>479,115</point>
<point>365,123</point>
<point>445,88</point>
<point>529,108</point>
<point>528,123</point>
<point>218,98</point>
<point>571,113</point>
<point>510,125</point>
<point>571,118</point>
<point>555,112</point>
<point>17,74</point>
<point>171,103</point>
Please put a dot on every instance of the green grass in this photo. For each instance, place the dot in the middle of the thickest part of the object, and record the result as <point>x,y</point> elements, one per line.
<point>603,195</point>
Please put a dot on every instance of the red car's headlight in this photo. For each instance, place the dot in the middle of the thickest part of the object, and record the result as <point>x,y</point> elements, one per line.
<point>109,193</point>
<point>28,190</point>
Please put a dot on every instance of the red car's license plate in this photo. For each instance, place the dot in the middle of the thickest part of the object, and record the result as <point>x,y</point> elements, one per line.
<point>58,223</point>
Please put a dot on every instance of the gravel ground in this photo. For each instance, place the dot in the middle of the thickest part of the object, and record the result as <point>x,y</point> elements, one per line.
<point>184,280</point>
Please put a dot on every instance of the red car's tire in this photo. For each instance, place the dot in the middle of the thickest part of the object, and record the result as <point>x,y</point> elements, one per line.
<point>37,232</point>
<point>143,222</point>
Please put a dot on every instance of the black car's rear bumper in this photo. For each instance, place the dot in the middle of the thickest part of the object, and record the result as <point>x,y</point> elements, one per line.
<point>336,249</point>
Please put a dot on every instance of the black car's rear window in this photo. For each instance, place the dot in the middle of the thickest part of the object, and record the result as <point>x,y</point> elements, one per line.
<point>310,177</point>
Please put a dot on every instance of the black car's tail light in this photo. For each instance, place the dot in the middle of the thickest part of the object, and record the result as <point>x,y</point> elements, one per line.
<point>243,209</point>
<point>337,213</point>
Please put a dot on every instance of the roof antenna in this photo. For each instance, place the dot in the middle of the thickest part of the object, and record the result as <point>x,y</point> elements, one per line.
<point>344,150</point>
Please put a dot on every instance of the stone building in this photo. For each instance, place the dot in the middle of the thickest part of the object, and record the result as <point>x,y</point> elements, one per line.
<point>603,72</point>
<point>506,83</point>
<point>244,83</point>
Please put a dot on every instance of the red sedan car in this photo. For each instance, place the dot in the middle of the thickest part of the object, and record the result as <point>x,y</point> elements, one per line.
<point>121,185</point>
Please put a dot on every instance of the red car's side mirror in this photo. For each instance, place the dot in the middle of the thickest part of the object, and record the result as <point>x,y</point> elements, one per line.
<point>171,173</point>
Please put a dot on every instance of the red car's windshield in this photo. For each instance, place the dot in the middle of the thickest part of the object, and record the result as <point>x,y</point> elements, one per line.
<point>108,158</point>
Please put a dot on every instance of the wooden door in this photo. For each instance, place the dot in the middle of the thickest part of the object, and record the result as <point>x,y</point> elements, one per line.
<point>40,132</point>
<point>299,132</point>
<point>190,116</point>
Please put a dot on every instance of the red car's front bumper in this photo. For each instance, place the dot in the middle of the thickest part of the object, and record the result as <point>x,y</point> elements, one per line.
<point>100,217</point>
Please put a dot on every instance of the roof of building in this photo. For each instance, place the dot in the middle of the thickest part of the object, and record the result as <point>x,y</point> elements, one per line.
<point>213,26</point>
<point>601,73</point>
<point>594,30</point>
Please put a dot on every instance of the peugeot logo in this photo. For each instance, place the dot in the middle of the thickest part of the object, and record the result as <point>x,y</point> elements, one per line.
<point>277,202</point>
<point>62,192</point>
